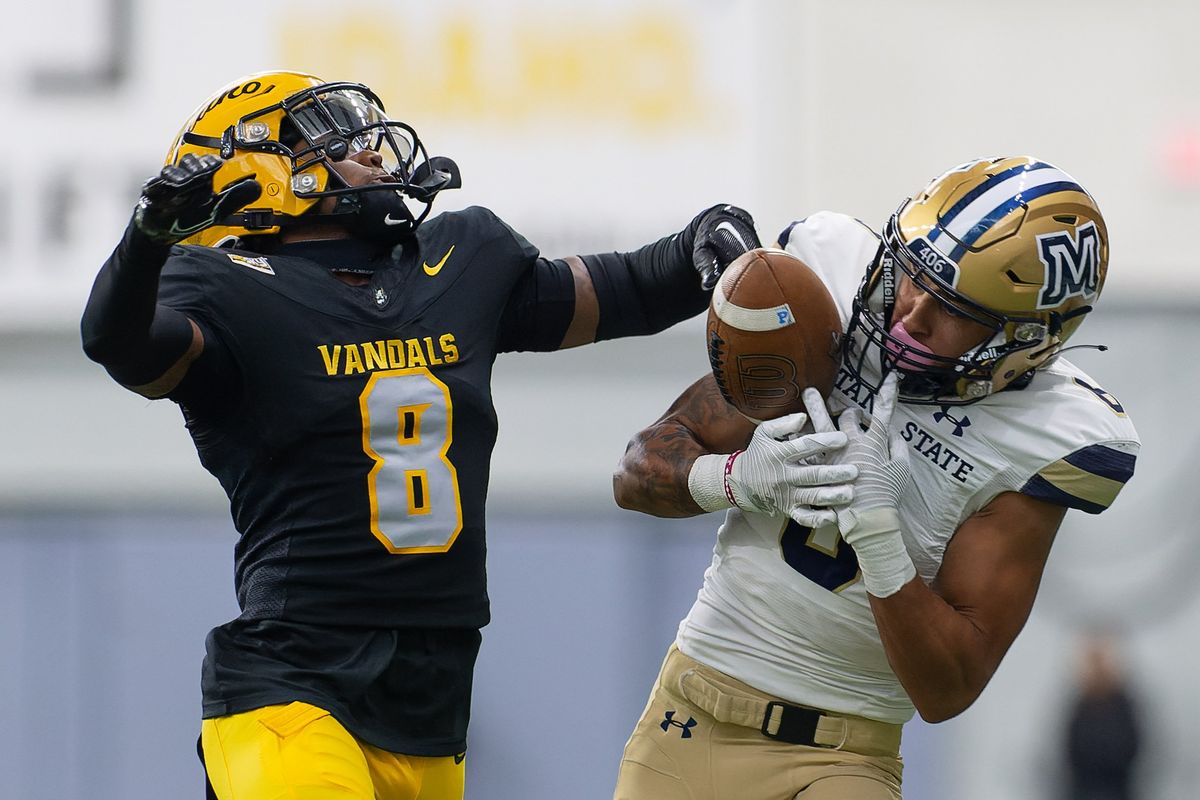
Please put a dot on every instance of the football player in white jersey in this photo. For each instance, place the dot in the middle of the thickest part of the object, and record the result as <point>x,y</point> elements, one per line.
<point>860,575</point>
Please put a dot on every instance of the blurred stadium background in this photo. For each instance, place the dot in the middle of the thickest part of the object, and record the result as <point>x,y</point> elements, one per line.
<point>586,126</point>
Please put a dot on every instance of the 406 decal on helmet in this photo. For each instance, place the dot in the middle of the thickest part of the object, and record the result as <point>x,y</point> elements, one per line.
<point>1014,244</point>
<point>287,130</point>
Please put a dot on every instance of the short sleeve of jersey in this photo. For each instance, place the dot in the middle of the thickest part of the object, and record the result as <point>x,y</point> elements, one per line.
<point>1070,444</point>
<point>542,303</point>
<point>186,285</point>
<point>839,248</point>
<point>1088,479</point>
<point>521,249</point>
<point>540,310</point>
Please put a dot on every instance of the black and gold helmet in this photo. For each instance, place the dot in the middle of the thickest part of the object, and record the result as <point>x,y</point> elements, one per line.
<point>1014,244</point>
<point>287,129</point>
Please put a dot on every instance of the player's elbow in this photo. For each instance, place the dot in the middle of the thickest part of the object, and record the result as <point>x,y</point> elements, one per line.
<point>625,487</point>
<point>621,492</point>
<point>639,486</point>
<point>944,705</point>
<point>101,349</point>
<point>935,713</point>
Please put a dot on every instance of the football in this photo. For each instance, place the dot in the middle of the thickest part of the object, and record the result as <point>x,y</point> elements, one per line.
<point>773,330</point>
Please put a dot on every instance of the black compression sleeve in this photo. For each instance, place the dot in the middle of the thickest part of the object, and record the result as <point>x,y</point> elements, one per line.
<point>649,289</point>
<point>540,309</point>
<point>123,327</point>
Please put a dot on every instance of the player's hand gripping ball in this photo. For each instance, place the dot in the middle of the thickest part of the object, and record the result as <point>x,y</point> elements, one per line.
<point>725,233</point>
<point>773,331</point>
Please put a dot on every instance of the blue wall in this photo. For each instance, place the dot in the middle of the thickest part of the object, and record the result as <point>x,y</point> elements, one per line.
<point>103,629</point>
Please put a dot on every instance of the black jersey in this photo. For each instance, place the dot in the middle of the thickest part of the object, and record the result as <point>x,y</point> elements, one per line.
<point>352,428</point>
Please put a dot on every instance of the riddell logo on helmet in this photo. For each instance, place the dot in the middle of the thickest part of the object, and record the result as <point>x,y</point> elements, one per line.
<point>1072,265</point>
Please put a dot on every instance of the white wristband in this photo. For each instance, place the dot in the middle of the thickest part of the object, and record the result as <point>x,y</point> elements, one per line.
<point>885,564</point>
<point>706,482</point>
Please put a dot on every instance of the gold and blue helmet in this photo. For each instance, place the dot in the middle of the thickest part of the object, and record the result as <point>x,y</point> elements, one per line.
<point>287,129</point>
<point>1014,244</point>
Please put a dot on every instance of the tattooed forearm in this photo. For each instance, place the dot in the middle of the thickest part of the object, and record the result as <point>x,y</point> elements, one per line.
<point>653,474</point>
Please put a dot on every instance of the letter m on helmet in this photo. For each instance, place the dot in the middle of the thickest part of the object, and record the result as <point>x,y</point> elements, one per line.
<point>1072,264</point>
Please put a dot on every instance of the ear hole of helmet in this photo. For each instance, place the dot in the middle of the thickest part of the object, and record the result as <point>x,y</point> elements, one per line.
<point>289,135</point>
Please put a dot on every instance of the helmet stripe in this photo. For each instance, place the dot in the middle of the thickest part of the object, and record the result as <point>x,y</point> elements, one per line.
<point>1001,211</point>
<point>990,202</point>
<point>991,183</point>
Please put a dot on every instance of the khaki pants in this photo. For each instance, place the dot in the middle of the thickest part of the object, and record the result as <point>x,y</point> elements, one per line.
<point>700,738</point>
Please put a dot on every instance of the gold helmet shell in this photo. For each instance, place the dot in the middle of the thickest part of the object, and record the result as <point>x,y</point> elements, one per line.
<point>287,129</point>
<point>1015,244</point>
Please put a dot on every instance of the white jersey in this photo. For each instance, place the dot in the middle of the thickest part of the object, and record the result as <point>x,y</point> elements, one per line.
<point>783,607</point>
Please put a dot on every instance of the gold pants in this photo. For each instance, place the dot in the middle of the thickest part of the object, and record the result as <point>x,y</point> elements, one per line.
<point>299,752</point>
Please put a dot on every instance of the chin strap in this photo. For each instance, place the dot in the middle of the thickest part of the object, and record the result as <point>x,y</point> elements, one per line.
<point>258,219</point>
<point>262,219</point>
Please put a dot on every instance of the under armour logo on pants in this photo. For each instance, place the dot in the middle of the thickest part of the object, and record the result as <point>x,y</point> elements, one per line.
<point>686,726</point>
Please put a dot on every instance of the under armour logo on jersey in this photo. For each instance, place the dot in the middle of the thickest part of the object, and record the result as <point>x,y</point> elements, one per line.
<point>959,424</point>
<point>1072,264</point>
<point>686,726</point>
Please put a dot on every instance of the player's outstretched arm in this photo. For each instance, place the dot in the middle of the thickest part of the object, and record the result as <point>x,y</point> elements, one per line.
<point>145,346</point>
<point>568,302</point>
<point>652,288</point>
<point>702,455</point>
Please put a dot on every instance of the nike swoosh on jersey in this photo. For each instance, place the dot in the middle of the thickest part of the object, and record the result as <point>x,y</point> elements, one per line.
<point>436,268</point>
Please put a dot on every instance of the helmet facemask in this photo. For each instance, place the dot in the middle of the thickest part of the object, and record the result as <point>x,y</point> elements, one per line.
<point>1014,347</point>
<point>328,124</point>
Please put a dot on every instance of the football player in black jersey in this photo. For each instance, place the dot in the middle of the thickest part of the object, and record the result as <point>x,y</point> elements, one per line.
<point>331,350</point>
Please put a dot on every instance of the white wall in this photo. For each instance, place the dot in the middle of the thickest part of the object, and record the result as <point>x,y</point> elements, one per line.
<point>594,125</point>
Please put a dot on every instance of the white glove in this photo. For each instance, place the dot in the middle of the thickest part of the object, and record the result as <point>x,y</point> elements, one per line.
<point>870,523</point>
<point>779,472</point>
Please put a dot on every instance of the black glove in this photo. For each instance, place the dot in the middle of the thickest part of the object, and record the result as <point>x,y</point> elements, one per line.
<point>180,200</point>
<point>724,233</point>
